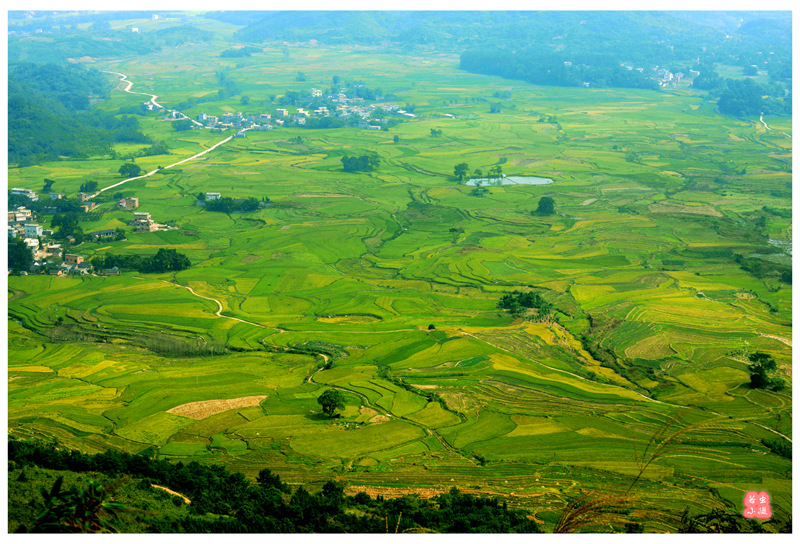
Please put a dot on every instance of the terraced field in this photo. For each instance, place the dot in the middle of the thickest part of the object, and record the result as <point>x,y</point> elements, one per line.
<point>337,284</point>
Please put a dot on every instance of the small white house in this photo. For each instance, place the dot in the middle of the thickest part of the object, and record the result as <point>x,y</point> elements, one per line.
<point>213,196</point>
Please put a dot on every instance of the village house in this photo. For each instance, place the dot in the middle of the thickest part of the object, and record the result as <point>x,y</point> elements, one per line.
<point>316,93</point>
<point>25,192</point>
<point>114,271</point>
<point>56,196</point>
<point>107,233</point>
<point>213,196</point>
<point>282,112</point>
<point>130,203</point>
<point>142,222</point>
<point>33,244</point>
<point>240,134</point>
<point>12,232</point>
<point>71,258</point>
<point>54,249</point>
<point>22,214</point>
<point>32,230</point>
<point>83,197</point>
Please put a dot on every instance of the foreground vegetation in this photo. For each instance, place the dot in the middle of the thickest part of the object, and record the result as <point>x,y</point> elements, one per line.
<point>158,496</point>
<point>524,345</point>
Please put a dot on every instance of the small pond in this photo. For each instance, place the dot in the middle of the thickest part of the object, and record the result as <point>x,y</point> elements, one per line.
<point>510,180</point>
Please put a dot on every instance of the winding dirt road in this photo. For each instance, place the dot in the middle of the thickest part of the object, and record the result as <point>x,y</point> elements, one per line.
<point>153,98</point>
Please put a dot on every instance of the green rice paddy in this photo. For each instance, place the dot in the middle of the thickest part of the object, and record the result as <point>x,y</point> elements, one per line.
<point>336,283</point>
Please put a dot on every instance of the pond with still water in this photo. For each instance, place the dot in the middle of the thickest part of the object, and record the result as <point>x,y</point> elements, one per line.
<point>510,180</point>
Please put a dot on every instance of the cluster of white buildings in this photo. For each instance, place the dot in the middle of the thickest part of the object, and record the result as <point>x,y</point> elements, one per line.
<point>346,107</point>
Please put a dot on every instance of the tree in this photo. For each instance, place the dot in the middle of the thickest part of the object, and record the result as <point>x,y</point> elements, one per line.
<point>20,258</point>
<point>130,170</point>
<point>461,170</point>
<point>547,206</point>
<point>478,173</point>
<point>245,100</point>
<point>182,124</point>
<point>330,400</point>
<point>496,171</point>
<point>89,187</point>
<point>48,184</point>
<point>436,132</point>
<point>761,364</point>
<point>300,76</point>
<point>396,139</point>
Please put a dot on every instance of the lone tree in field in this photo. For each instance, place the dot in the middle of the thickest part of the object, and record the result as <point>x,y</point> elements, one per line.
<point>330,400</point>
<point>129,170</point>
<point>547,206</point>
<point>760,364</point>
<point>460,171</point>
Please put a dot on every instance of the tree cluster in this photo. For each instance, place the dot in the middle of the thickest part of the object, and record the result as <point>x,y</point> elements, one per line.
<point>240,52</point>
<point>165,260</point>
<point>227,204</point>
<point>517,302</point>
<point>540,67</point>
<point>363,163</point>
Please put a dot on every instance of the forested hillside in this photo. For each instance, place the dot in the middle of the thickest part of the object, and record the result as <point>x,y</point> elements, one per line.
<point>49,114</point>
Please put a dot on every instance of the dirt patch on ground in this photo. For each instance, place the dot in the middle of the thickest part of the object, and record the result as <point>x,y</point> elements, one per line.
<point>588,201</point>
<point>285,227</point>
<point>379,419</point>
<point>206,408</point>
<point>418,386</point>
<point>368,411</point>
<point>778,338</point>
<point>250,259</point>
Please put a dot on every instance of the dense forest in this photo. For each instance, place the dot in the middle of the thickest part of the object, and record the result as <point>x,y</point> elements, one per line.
<point>49,114</point>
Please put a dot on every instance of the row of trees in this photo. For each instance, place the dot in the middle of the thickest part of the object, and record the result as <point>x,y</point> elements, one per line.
<point>461,172</point>
<point>165,260</point>
<point>227,204</point>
